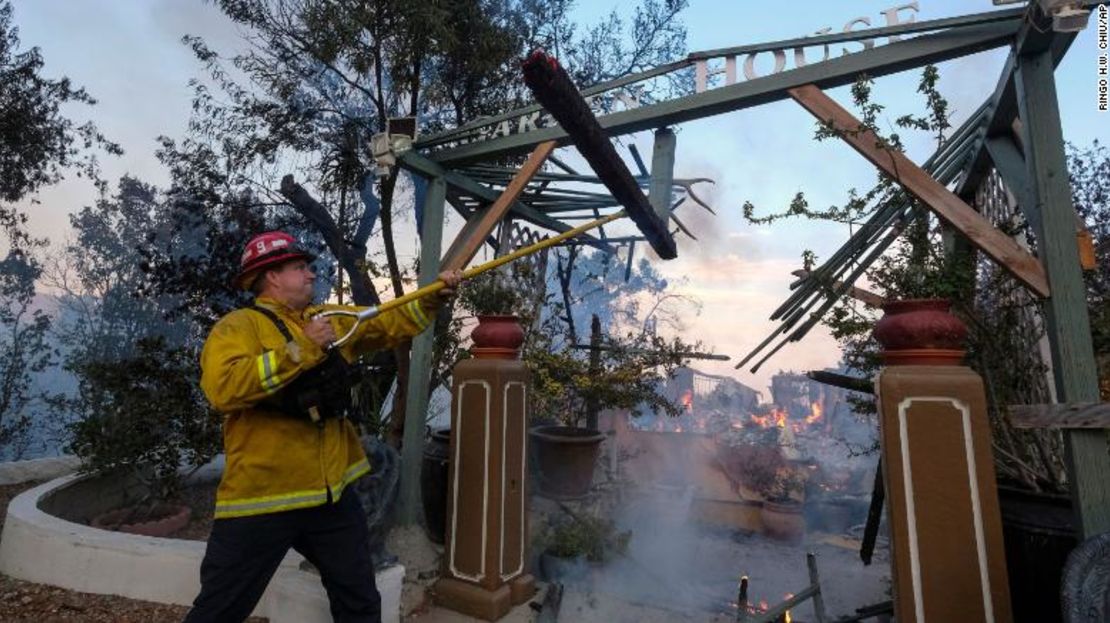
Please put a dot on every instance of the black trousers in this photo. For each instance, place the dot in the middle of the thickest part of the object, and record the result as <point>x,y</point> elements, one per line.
<point>244,552</point>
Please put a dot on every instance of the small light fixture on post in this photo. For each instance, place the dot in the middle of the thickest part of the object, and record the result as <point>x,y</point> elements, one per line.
<point>399,135</point>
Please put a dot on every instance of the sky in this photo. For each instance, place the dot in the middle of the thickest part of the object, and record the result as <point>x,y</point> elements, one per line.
<point>128,55</point>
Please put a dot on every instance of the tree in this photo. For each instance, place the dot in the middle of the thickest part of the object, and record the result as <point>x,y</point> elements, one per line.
<point>1089,171</point>
<point>631,361</point>
<point>25,350</point>
<point>38,144</point>
<point>138,408</point>
<point>320,77</point>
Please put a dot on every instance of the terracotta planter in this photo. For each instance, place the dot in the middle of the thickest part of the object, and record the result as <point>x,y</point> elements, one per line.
<point>921,332</point>
<point>565,460</point>
<point>497,337</point>
<point>166,519</point>
<point>783,521</point>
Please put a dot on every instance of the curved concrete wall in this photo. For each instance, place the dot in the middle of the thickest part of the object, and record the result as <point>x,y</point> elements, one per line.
<point>42,548</point>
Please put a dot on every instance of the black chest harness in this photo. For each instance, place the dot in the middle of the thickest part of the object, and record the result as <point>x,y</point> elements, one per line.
<point>322,392</point>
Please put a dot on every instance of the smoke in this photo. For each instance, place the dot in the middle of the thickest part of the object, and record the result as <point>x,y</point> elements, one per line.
<point>694,533</point>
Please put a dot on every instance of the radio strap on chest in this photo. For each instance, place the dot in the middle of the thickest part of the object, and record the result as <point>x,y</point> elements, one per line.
<point>319,393</point>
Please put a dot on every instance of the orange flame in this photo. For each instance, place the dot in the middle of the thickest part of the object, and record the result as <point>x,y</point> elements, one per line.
<point>688,401</point>
<point>780,418</point>
<point>815,415</point>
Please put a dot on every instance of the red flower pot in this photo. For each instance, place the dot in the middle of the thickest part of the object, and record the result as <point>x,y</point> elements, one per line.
<point>921,332</point>
<point>162,521</point>
<point>497,337</point>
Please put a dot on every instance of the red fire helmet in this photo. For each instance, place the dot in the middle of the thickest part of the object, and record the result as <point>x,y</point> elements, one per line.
<point>267,250</point>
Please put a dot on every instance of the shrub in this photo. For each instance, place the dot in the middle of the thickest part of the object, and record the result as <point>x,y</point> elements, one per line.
<point>596,539</point>
<point>144,416</point>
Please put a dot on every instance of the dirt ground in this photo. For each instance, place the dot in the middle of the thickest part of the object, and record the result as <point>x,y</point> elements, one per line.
<point>24,602</point>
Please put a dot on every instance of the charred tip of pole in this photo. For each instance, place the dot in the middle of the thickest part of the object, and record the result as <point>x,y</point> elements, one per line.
<point>556,92</point>
<point>539,67</point>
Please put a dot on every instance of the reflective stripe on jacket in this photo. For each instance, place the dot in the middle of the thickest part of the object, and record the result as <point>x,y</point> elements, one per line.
<point>276,462</point>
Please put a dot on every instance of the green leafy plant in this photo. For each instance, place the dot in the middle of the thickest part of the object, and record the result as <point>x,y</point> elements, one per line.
<point>144,418</point>
<point>627,374</point>
<point>496,292</point>
<point>595,538</point>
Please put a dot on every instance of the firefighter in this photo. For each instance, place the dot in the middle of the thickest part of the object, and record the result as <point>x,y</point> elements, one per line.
<point>291,453</point>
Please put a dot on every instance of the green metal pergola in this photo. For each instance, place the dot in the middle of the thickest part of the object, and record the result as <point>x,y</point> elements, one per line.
<point>1015,132</point>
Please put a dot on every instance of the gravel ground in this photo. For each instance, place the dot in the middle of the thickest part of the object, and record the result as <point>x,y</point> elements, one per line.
<point>24,602</point>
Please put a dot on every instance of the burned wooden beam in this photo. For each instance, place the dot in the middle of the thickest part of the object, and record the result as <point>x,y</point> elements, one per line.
<point>549,611</point>
<point>843,381</point>
<point>864,296</point>
<point>874,514</point>
<point>634,351</point>
<point>554,89</point>
<point>869,612</point>
<point>742,601</point>
<point>999,246</point>
<point>479,226</point>
<point>1067,415</point>
<point>815,581</point>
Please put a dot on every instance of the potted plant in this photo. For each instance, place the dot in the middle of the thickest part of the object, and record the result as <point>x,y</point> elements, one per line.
<point>144,421</point>
<point>755,459</point>
<point>572,546</point>
<point>782,505</point>
<point>570,387</point>
<point>497,298</point>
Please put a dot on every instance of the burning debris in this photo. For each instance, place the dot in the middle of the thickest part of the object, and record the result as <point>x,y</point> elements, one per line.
<point>698,492</point>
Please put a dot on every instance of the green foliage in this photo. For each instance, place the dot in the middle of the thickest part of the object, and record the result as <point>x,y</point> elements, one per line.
<point>146,417</point>
<point>26,352</point>
<point>595,538</point>
<point>498,292</point>
<point>1089,170</point>
<point>628,374</point>
<point>38,145</point>
<point>861,205</point>
<point>37,142</point>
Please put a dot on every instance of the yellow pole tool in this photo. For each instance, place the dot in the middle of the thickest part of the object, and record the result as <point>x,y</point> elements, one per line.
<point>470,273</point>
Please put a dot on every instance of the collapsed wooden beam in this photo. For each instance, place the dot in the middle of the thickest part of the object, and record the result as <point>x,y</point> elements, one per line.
<point>554,89</point>
<point>478,227</point>
<point>843,381</point>
<point>1067,415</point>
<point>950,208</point>
<point>861,295</point>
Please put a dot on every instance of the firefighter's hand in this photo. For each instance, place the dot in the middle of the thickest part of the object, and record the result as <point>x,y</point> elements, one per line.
<point>320,331</point>
<point>452,278</point>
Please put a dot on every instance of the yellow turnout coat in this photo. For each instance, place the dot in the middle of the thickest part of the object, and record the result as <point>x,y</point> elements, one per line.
<point>276,462</point>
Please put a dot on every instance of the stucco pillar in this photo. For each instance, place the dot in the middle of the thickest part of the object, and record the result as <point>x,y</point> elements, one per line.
<point>485,557</point>
<point>942,501</point>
